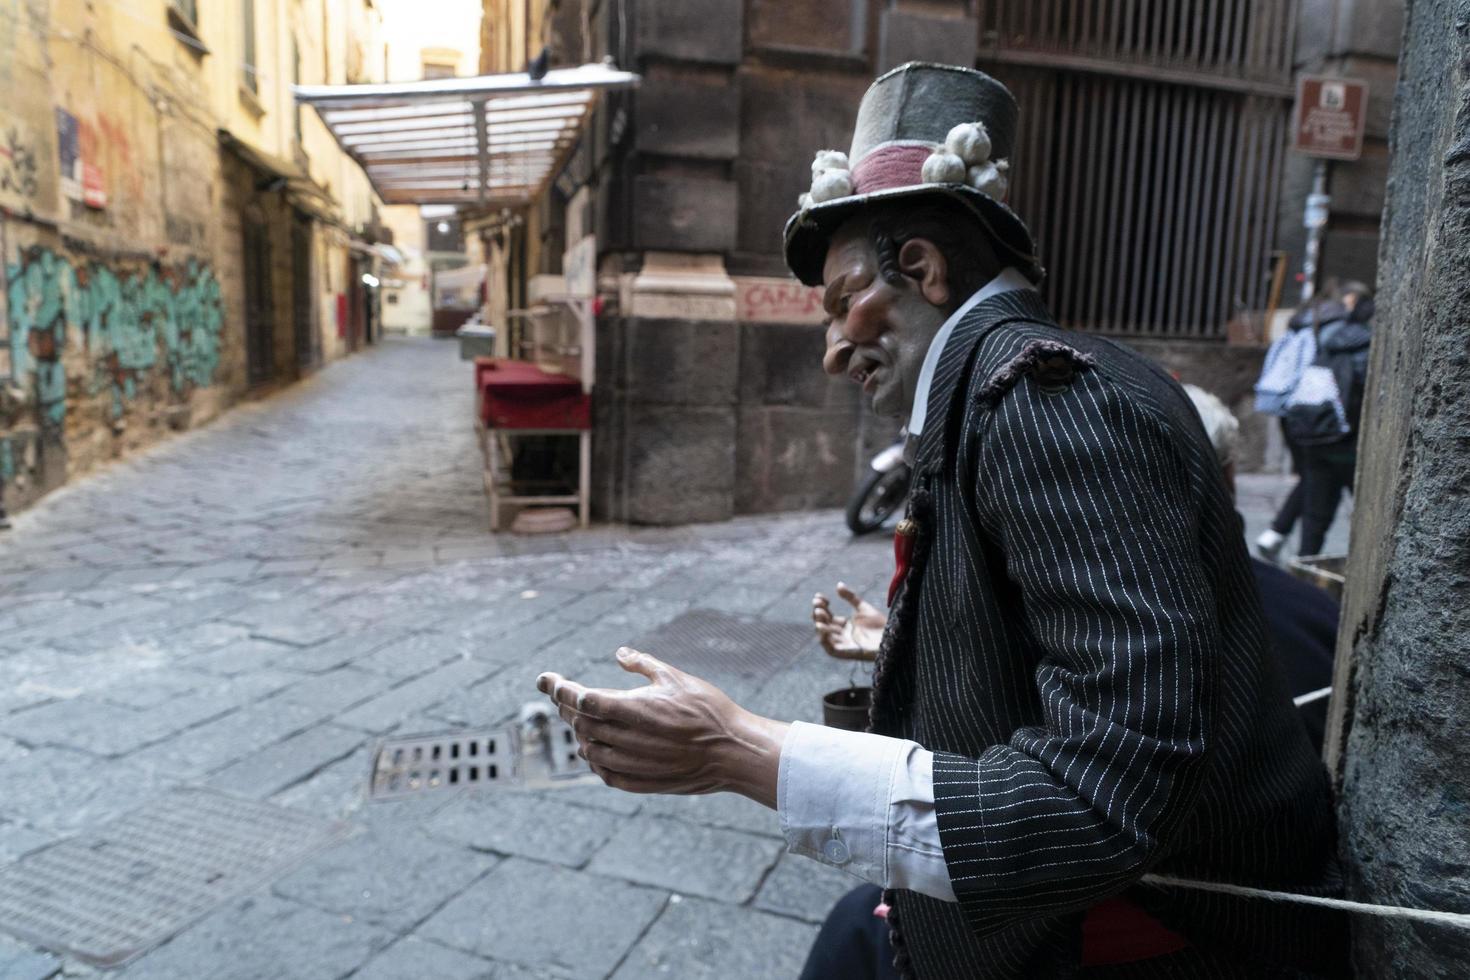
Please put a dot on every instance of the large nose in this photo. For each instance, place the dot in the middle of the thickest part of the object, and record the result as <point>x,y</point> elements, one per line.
<point>838,353</point>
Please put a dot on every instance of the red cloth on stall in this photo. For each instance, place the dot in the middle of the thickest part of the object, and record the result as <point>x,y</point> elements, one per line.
<point>520,395</point>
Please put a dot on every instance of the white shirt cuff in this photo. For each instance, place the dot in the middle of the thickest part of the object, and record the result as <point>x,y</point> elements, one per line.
<point>863,803</point>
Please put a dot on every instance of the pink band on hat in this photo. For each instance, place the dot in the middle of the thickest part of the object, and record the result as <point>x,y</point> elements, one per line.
<point>887,167</point>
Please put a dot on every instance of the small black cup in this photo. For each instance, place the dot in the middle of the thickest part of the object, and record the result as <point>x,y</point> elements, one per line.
<point>847,708</point>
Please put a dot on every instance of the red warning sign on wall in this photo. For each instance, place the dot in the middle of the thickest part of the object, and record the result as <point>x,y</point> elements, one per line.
<point>1330,117</point>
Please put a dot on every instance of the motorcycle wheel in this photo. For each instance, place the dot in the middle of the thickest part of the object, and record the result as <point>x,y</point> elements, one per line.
<point>877,499</point>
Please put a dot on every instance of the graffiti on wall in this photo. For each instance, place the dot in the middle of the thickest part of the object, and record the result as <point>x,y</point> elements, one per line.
<point>135,325</point>
<point>18,166</point>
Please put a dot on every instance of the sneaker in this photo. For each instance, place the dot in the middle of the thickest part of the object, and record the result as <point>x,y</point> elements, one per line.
<point>1268,545</point>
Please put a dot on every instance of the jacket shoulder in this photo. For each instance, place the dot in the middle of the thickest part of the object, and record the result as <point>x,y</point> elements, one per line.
<point>1039,352</point>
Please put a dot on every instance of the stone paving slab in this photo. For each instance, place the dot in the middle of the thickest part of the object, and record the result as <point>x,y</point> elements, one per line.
<point>803,889</point>
<point>262,937</point>
<point>391,707</point>
<point>19,962</point>
<point>541,826</point>
<point>393,880</point>
<point>541,916</point>
<point>689,859</point>
<point>701,940</point>
<point>414,957</point>
<point>272,769</point>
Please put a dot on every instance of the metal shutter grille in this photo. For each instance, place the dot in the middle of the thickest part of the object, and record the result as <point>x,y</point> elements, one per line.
<point>1150,153</point>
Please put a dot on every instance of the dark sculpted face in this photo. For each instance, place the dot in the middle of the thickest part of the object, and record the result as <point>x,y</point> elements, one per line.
<point>879,331</point>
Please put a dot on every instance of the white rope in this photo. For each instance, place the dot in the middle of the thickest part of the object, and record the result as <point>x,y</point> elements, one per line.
<point>1458,919</point>
<point>1311,696</point>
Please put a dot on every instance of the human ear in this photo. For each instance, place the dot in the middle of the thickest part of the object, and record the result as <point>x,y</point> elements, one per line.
<point>920,260</point>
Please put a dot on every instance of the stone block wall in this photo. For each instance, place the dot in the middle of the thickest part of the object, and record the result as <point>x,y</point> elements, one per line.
<point>1401,681</point>
<point>700,421</point>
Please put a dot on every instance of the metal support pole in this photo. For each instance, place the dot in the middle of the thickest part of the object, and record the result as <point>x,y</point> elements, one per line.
<point>482,149</point>
<point>1315,220</point>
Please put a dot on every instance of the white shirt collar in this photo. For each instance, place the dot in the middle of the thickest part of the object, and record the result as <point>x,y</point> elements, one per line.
<point>1009,280</point>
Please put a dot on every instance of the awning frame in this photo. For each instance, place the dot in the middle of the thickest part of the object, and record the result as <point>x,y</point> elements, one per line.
<point>490,140</point>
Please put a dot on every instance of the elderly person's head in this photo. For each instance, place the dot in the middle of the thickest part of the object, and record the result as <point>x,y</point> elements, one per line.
<point>903,228</point>
<point>890,279</point>
<point>1222,428</point>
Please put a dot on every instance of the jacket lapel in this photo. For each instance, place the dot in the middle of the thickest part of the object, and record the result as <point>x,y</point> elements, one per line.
<point>953,368</point>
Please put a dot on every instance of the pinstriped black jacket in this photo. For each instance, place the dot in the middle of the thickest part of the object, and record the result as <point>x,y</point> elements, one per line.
<point>1080,642</point>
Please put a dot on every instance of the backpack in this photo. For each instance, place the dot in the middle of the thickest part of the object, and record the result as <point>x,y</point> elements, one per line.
<point>1327,401</point>
<point>1287,357</point>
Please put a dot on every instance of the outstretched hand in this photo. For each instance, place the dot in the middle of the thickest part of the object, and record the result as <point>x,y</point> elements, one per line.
<point>854,637</point>
<point>676,734</point>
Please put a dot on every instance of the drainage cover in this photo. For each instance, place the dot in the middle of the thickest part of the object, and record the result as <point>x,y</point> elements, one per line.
<point>727,649</point>
<point>414,764</point>
<point>113,894</point>
<point>540,753</point>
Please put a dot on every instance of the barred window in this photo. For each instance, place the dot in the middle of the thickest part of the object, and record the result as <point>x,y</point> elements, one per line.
<point>1150,154</point>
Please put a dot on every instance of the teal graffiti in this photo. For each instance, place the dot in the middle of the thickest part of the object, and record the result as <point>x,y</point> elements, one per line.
<point>135,324</point>
<point>41,292</point>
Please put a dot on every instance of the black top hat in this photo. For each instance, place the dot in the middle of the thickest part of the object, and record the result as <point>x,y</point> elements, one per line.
<point>923,132</point>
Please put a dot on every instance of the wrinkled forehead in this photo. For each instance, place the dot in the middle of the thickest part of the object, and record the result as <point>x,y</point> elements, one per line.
<point>848,250</point>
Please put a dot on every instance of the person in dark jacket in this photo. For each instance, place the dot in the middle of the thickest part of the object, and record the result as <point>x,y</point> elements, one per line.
<point>1286,359</point>
<point>1324,410</point>
<point>1075,702</point>
<point>1301,618</point>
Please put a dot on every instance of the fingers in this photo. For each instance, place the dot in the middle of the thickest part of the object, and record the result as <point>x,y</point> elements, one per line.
<point>637,662</point>
<point>562,691</point>
<point>624,761</point>
<point>642,784</point>
<point>834,640</point>
<point>844,590</point>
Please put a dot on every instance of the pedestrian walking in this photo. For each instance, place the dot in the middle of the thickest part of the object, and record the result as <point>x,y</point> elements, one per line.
<point>1324,409</point>
<point>1288,356</point>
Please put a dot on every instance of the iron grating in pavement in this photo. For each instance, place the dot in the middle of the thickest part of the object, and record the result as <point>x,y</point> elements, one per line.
<point>540,754</point>
<point>111,895</point>
<point>721,647</point>
<point>453,760</point>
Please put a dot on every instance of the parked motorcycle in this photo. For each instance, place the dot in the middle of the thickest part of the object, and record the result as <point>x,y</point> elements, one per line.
<point>882,492</point>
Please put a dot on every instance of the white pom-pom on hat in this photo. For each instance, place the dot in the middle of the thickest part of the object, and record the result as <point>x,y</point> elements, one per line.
<point>804,202</point>
<point>970,142</point>
<point>829,160</point>
<point>990,179</point>
<point>944,168</point>
<point>830,185</point>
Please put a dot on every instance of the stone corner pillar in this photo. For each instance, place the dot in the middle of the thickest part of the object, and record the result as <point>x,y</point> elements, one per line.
<point>1400,734</point>
<point>668,381</point>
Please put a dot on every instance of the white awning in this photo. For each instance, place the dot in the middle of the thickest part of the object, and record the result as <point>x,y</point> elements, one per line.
<point>491,139</point>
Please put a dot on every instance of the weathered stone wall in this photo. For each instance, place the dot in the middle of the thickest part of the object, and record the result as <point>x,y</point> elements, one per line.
<point>114,325</point>
<point>1402,647</point>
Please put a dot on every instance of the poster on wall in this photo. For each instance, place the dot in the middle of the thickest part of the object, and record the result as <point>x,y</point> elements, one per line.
<point>82,178</point>
<point>69,148</point>
<point>94,190</point>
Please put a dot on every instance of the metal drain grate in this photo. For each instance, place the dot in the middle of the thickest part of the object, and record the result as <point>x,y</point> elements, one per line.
<point>417,764</point>
<point>541,753</point>
<point>112,895</point>
<point>722,648</point>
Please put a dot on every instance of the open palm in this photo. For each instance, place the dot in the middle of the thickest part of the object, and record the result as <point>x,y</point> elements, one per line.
<point>853,637</point>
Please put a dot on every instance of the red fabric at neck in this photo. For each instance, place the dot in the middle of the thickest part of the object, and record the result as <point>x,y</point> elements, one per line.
<point>1117,931</point>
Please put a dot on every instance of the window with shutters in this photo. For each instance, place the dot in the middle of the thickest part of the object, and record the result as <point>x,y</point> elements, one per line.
<point>249,76</point>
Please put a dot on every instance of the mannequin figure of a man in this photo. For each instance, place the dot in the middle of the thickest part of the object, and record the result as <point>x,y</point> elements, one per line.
<point>1074,687</point>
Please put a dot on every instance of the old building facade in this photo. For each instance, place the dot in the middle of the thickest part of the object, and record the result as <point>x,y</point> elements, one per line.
<point>1154,166</point>
<point>173,231</point>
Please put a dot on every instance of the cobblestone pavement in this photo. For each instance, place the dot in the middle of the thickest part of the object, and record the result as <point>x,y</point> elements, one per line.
<point>250,606</point>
